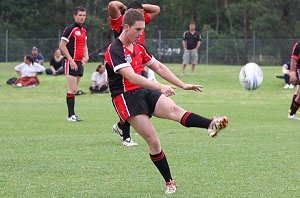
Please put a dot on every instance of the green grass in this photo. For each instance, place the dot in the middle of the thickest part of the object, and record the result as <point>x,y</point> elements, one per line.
<point>43,155</point>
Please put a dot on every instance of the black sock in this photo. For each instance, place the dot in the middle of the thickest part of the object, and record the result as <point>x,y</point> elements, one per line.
<point>125,127</point>
<point>193,120</point>
<point>295,107</point>
<point>71,103</point>
<point>161,163</point>
<point>293,99</point>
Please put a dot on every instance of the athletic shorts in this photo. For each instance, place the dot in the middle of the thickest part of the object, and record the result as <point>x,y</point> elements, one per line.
<point>190,57</point>
<point>71,72</point>
<point>137,102</point>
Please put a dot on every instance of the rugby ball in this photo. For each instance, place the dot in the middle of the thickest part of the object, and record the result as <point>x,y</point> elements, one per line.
<point>251,76</point>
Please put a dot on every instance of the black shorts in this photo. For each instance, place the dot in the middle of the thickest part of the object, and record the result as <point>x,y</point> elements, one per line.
<point>137,102</point>
<point>69,71</point>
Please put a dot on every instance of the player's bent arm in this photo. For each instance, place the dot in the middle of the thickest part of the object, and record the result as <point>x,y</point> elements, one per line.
<point>164,72</point>
<point>114,9</point>
<point>64,49</point>
<point>151,10</point>
<point>134,78</point>
<point>293,71</point>
<point>293,67</point>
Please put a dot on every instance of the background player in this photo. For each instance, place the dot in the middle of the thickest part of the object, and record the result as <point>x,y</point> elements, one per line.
<point>294,79</point>
<point>73,44</point>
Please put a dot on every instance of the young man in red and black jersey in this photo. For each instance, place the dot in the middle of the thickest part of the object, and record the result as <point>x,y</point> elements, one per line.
<point>294,79</point>
<point>115,10</point>
<point>136,99</point>
<point>74,46</point>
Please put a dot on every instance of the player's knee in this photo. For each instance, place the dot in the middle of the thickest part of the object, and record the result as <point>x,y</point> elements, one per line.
<point>154,146</point>
<point>176,112</point>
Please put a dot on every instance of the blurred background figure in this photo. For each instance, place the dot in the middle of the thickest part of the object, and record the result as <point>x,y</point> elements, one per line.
<point>56,64</point>
<point>150,74</point>
<point>37,56</point>
<point>286,75</point>
<point>99,83</point>
<point>191,42</point>
<point>28,72</point>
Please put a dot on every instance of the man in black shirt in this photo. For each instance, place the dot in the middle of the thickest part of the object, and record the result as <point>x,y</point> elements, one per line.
<point>191,42</point>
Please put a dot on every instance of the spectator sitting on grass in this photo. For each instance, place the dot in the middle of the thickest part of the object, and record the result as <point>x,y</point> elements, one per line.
<point>56,64</point>
<point>99,80</point>
<point>36,56</point>
<point>286,75</point>
<point>28,72</point>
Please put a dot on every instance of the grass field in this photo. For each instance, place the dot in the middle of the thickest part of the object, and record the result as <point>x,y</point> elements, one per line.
<point>43,155</point>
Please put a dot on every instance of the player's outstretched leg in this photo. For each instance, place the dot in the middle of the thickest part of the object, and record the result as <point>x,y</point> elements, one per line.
<point>213,126</point>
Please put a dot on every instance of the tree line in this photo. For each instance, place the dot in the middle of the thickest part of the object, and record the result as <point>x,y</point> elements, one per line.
<point>274,19</point>
<point>223,18</point>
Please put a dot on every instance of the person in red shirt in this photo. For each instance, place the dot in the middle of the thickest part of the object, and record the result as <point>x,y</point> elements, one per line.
<point>136,99</point>
<point>295,80</point>
<point>115,10</point>
<point>73,44</point>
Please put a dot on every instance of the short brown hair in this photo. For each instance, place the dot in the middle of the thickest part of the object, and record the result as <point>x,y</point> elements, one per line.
<point>79,8</point>
<point>131,16</point>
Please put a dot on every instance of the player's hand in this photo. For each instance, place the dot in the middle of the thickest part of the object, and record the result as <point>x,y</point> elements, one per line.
<point>192,87</point>
<point>293,78</point>
<point>84,60</point>
<point>73,65</point>
<point>167,90</point>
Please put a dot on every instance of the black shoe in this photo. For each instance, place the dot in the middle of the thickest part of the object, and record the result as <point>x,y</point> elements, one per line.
<point>79,92</point>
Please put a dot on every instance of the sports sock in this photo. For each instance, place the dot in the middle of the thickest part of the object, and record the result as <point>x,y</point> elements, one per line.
<point>193,120</point>
<point>295,107</point>
<point>71,103</point>
<point>294,96</point>
<point>125,127</point>
<point>161,163</point>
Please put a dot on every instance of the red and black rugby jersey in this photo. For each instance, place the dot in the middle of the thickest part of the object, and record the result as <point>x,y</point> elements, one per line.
<point>296,53</point>
<point>118,56</point>
<point>76,37</point>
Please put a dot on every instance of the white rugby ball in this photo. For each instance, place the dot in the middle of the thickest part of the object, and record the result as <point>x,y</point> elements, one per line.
<point>251,76</point>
